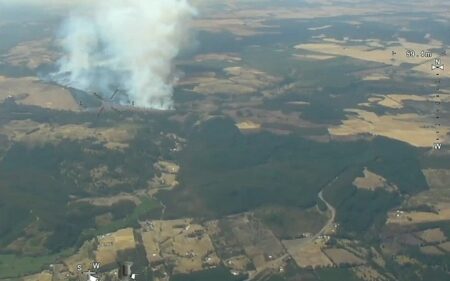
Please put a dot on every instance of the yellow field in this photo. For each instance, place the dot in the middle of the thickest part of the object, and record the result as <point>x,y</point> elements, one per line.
<point>238,81</point>
<point>309,255</point>
<point>238,263</point>
<point>438,194</point>
<point>228,57</point>
<point>342,256</point>
<point>168,167</point>
<point>313,57</point>
<point>431,250</point>
<point>445,246</point>
<point>151,245</point>
<point>375,77</point>
<point>437,178</point>
<point>111,244</point>
<point>239,15</point>
<point>31,91</point>
<point>35,134</point>
<point>375,50</point>
<point>406,218</point>
<point>31,54</point>
<point>431,235</point>
<point>248,126</point>
<point>396,101</point>
<point>320,27</point>
<point>237,26</point>
<point>410,128</point>
<point>82,257</point>
<point>371,181</point>
<point>111,200</point>
<point>272,119</point>
<point>356,248</point>
<point>167,178</point>
<point>406,260</point>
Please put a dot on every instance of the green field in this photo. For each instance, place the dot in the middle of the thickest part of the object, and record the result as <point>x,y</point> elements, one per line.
<point>14,266</point>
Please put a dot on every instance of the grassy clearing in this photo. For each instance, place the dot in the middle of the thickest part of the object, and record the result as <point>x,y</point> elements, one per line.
<point>12,266</point>
<point>146,208</point>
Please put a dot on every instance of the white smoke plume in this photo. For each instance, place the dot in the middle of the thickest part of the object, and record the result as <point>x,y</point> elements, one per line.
<point>125,44</point>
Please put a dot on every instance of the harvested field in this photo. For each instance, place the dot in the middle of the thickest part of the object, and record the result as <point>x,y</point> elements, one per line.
<point>354,247</point>
<point>240,10</point>
<point>319,27</point>
<point>309,255</point>
<point>445,246</point>
<point>111,244</point>
<point>248,126</point>
<point>410,128</point>
<point>431,235</point>
<point>31,54</point>
<point>437,178</point>
<point>375,77</point>
<point>375,50</point>
<point>343,257</point>
<point>406,260</point>
<point>83,257</point>
<point>111,200</point>
<point>238,263</point>
<point>35,134</point>
<point>237,26</point>
<point>169,180</point>
<point>415,217</point>
<point>151,246</point>
<point>371,181</point>
<point>165,178</point>
<point>31,91</point>
<point>409,239</point>
<point>396,101</point>
<point>438,194</point>
<point>238,81</point>
<point>272,120</point>
<point>228,57</point>
<point>431,251</point>
<point>313,57</point>
<point>167,167</point>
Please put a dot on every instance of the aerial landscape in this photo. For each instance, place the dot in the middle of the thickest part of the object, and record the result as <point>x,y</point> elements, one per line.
<point>245,140</point>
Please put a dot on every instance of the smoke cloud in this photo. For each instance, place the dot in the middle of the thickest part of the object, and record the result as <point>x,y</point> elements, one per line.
<point>125,44</point>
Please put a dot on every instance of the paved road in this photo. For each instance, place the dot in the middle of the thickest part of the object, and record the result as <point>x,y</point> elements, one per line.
<point>311,239</point>
<point>303,241</point>
<point>331,220</point>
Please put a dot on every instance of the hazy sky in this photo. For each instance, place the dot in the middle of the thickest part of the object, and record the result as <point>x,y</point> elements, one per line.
<point>42,2</point>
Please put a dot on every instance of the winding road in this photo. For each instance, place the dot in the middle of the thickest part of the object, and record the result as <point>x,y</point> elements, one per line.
<point>331,220</point>
<point>304,241</point>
